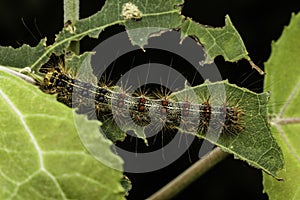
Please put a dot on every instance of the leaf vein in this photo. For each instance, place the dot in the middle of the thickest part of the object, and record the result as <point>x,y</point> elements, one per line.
<point>285,139</point>
<point>27,129</point>
<point>290,98</point>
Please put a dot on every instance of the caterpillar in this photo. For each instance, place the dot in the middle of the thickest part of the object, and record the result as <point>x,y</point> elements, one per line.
<point>141,111</point>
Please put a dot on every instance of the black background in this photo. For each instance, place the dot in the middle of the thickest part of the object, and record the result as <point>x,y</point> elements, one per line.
<point>258,22</point>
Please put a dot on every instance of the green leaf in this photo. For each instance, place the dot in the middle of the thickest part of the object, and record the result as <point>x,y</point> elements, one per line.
<point>71,14</point>
<point>283,81</point>
<point>41,153</point>
<point>111,14</point>
<point>80,67</point>
<point>23,56</point>
<point>254,144</point>
<point>126,183</point>
<point>159,14</point>
<point>156,17</point>
<point>71,10</point>
<point>113,132</point>
<point>224,41</point>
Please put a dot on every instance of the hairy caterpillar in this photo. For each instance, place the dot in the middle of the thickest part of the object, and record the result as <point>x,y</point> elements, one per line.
<point>139,111</point>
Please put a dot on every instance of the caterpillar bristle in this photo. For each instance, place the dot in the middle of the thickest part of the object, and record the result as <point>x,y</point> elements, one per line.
<point>161,110</point>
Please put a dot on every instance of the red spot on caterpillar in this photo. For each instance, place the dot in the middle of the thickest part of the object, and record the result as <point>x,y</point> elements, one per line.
<point>120,103</point>
<point>164,103</point>
<point>207,110</point>
<point>185,108</point>
<point>122,95</point>
<point>142,100</point>
<point>141,108</point>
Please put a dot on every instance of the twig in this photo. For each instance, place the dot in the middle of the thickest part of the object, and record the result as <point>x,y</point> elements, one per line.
<point>254,66</point>
<point>71,13</point>
<point>189,175</point>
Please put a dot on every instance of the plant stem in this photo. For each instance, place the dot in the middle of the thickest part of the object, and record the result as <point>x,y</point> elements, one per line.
<point>22,76</point>
<point>254,66</point>
<point>71,12</point>
<point>188,176</point>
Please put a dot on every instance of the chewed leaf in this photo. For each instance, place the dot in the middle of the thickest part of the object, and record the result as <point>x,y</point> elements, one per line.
<point>41,153</point>
<point>24,56</point>
<point>283,81</point>
<point>142,20</point>
<point>217,41</point>
<point>157,16</point>
<point>244,130</point>
<point>162,15</point>
<point>112,13</point>
<point>224,41</point>
<point>75,64</point>
<point>252,140</point>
